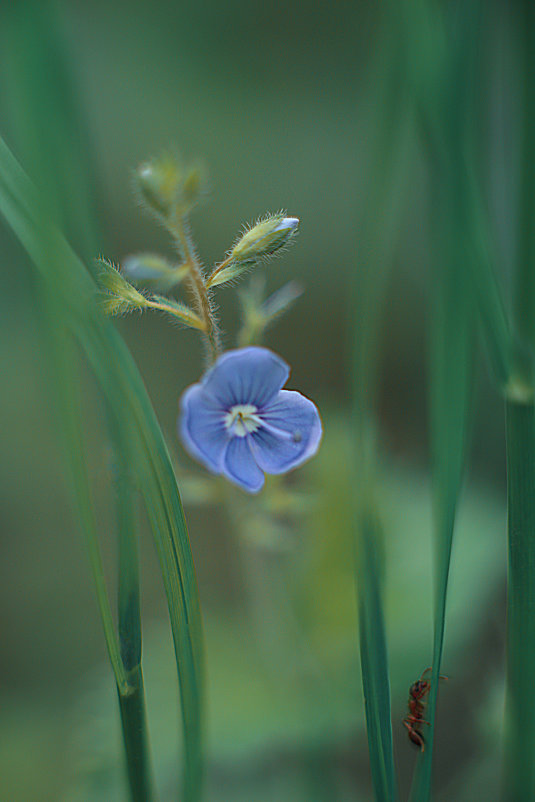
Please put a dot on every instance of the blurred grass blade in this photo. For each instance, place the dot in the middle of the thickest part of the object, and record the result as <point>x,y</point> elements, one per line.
<point>373,656</point>
<point>123,389</point>
<point>451,381</point>
<point>446,112</point>
<point>380,221</point>
<point>44,117</point>
<point>46,121</point>
<point>519,746</point>
<point>62,362</point>
<point>519,777</point>
<point>384,200</point>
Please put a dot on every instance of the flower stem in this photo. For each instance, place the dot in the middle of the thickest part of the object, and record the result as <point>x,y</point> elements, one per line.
<point>186,316</point>
<point>198,286</point>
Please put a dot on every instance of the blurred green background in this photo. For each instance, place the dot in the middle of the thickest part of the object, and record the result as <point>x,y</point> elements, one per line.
<point>279,101</point>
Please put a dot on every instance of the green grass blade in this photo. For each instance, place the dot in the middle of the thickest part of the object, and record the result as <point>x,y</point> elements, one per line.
<point>123,389</point>
<point>519,777</point>
<point>132,704</point>
<point>445,79</point>
<point>519,732</point>
<point>379,225</point>
<point>374,657</point>
<point>43,115</point>
<point>46,123</point>
<point>62,362</point>
<point>451,379</point>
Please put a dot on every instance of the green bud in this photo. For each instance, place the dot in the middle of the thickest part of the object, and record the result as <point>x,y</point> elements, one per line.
<point>154,269</point>
<point>260,242</point>
<point>159,181</point>
<point>264,239</point>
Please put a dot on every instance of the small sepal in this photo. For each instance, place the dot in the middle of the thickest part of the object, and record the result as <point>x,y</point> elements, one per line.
<point>194,186</point>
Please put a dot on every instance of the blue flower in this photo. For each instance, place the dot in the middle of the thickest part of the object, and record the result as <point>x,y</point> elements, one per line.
<point>240,423</point>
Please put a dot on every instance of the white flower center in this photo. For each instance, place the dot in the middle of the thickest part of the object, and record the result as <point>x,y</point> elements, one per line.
<point>242,419</point>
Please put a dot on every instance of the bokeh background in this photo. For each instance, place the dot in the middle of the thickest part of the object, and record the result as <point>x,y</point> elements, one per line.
<point>282,102</point>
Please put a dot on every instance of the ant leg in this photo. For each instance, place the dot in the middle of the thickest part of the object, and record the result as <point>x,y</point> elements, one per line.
<point>427,670</point>
<point>415,737</point>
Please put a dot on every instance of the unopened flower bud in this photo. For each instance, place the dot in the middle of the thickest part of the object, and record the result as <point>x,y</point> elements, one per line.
<point>259,242</point>
<point>264,239</point>
<point>159,183</point>
<point>154,270</point>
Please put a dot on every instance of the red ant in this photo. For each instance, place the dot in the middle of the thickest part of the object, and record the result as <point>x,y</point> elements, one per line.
<point>417,692</point>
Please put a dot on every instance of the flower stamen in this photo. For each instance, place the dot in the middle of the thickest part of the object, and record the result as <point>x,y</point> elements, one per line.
<point>242,420</point>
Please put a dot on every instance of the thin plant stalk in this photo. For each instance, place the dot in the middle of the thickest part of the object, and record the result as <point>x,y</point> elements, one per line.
<point>196,280</point>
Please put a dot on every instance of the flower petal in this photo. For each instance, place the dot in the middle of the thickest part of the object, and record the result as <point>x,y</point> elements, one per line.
<point>239,465</point>
<point>246,376</point>
<point>202,427</point>
<point>291,433</point>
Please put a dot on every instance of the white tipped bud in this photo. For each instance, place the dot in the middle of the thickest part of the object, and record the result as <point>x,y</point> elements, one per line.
<point>261,241</point>
<point>264,239</point>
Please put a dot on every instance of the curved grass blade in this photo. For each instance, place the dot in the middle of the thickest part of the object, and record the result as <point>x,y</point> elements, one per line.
<point>47,124</point>
<point>123,388</point>
<point>62,362</point>
<point>445,109</point>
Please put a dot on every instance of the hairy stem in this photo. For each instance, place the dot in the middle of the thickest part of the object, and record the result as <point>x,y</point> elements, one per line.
<point>198,287</point>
